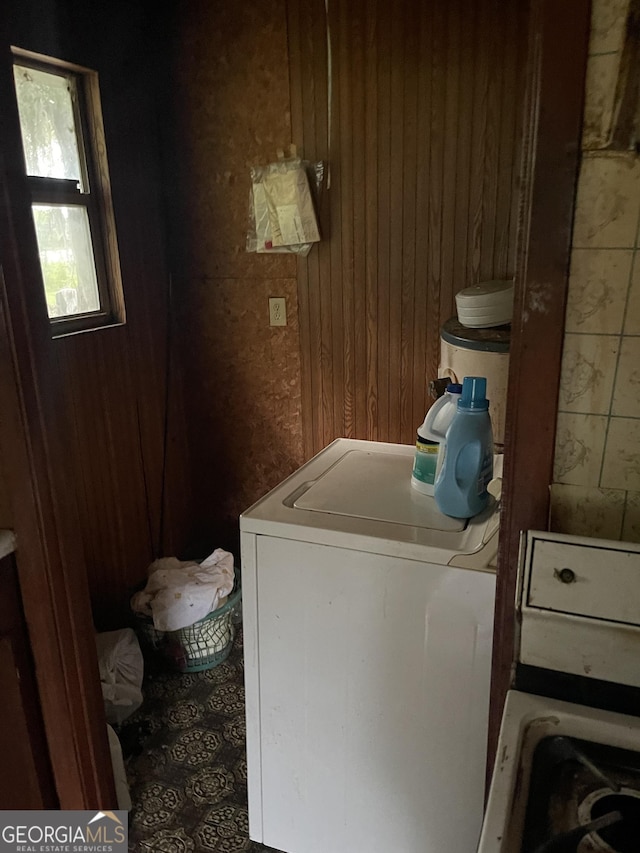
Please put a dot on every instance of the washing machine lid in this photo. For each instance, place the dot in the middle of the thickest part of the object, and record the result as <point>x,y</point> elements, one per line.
<point>345,496</point>
<point>375,487</point>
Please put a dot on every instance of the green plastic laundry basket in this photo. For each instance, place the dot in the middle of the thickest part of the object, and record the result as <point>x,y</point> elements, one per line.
<point>202,645</point>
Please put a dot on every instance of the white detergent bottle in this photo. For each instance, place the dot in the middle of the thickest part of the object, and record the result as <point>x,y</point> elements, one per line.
<point>438,419</point>
<point>430,440</point>
<point>425,460</point>
<point>461,487</point>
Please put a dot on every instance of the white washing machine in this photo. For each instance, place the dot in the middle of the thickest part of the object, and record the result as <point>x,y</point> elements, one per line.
<point>368,622</point>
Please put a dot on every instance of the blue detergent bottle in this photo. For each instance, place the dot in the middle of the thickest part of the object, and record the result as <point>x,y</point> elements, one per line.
<point>461,486</point>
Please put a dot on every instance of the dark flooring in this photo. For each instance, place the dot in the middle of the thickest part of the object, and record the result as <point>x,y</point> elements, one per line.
<point>188,779</point>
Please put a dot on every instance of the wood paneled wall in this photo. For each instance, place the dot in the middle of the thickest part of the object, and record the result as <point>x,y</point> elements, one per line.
<point>120,387</point>
<point>422,136</point>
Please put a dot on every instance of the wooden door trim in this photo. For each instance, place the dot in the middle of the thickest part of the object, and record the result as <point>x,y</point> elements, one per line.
<point>51,571</point>
<point>557,56</point>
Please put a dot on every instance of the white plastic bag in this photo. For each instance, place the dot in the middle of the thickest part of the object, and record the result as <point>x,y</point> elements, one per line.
<point>121,667</point>
<point>282,215</point>
<point>119,773</point>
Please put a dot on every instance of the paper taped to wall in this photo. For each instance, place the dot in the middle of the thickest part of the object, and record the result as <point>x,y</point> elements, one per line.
<point>282,212</point>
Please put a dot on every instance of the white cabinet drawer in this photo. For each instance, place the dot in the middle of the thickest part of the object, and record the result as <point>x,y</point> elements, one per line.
<point>603,583</point>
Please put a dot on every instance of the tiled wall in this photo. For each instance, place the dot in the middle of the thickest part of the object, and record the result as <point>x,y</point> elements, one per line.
<point>596,490</point>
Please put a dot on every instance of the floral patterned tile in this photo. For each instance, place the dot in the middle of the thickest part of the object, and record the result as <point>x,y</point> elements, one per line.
<point>579,448</point>
<point>631,528</point>
<point>598,286</point>
<point>588,371</point>
<point>608,19</point>
<point>608,203</point>
<point>584,511</point>
<point>194,800</point>
<point>621,468</point>
<point>600,90</point>
<point>626,396</point>
<point>632,317</point>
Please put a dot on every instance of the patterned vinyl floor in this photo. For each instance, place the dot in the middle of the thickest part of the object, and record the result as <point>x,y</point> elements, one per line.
<point>188,782</point>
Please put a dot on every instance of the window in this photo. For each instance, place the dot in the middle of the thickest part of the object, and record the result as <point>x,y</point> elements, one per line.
<point>64,152</point>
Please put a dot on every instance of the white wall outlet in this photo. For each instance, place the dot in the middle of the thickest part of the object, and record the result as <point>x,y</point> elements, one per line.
<point>277,311</point>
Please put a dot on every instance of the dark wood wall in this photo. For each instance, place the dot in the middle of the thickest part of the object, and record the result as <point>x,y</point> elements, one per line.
<point>130,485</point>
<point>242,377</point>
<point>424,155</point>
<point>422,137</point>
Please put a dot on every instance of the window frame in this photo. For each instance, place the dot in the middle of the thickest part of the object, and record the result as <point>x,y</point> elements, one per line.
<point>94,195</point>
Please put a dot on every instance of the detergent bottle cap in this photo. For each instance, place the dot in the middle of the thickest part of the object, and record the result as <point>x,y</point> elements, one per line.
<point>474,391</point>
<point>454,388</point>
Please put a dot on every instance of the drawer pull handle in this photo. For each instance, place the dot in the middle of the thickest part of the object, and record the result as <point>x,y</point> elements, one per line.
<point>565,575</point>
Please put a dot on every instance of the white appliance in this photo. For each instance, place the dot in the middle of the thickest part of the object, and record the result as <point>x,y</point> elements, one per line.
<point>367,638</point>
<point>565,769</point>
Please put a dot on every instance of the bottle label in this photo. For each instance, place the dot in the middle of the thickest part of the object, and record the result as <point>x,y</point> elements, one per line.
<point>421,447</point>
<point>486,473</point>
<point>424,463</point>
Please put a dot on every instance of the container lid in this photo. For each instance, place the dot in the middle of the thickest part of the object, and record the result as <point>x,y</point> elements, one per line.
<point>474,394</point>
<point>377,487</point>
<point>481,340</point>
<point>487,304</point>
<point>486,293</point>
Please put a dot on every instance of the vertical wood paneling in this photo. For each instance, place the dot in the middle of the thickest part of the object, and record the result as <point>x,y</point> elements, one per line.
<point>333,208</point>
<point>395,217</point>
<point>345,152</point>
<point>384,201</point>
<point>425,151</point>
<point>452,180</point>
<point>421,234</point>
<point>484,252</point>
<point>435,132</point>
<point>358,23</point>
<point>371,217</point>
<point>411,49</point>
<point>473,137</point>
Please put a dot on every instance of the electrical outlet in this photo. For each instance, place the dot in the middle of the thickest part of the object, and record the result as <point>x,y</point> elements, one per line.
<point>277,311</point>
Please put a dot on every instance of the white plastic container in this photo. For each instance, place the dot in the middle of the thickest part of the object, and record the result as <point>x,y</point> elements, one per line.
<point>434,429</point>
<point>425,464</point>
<point>485,305</point>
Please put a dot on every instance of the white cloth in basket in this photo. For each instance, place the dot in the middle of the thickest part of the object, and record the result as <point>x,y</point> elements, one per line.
<point>179,593</point>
